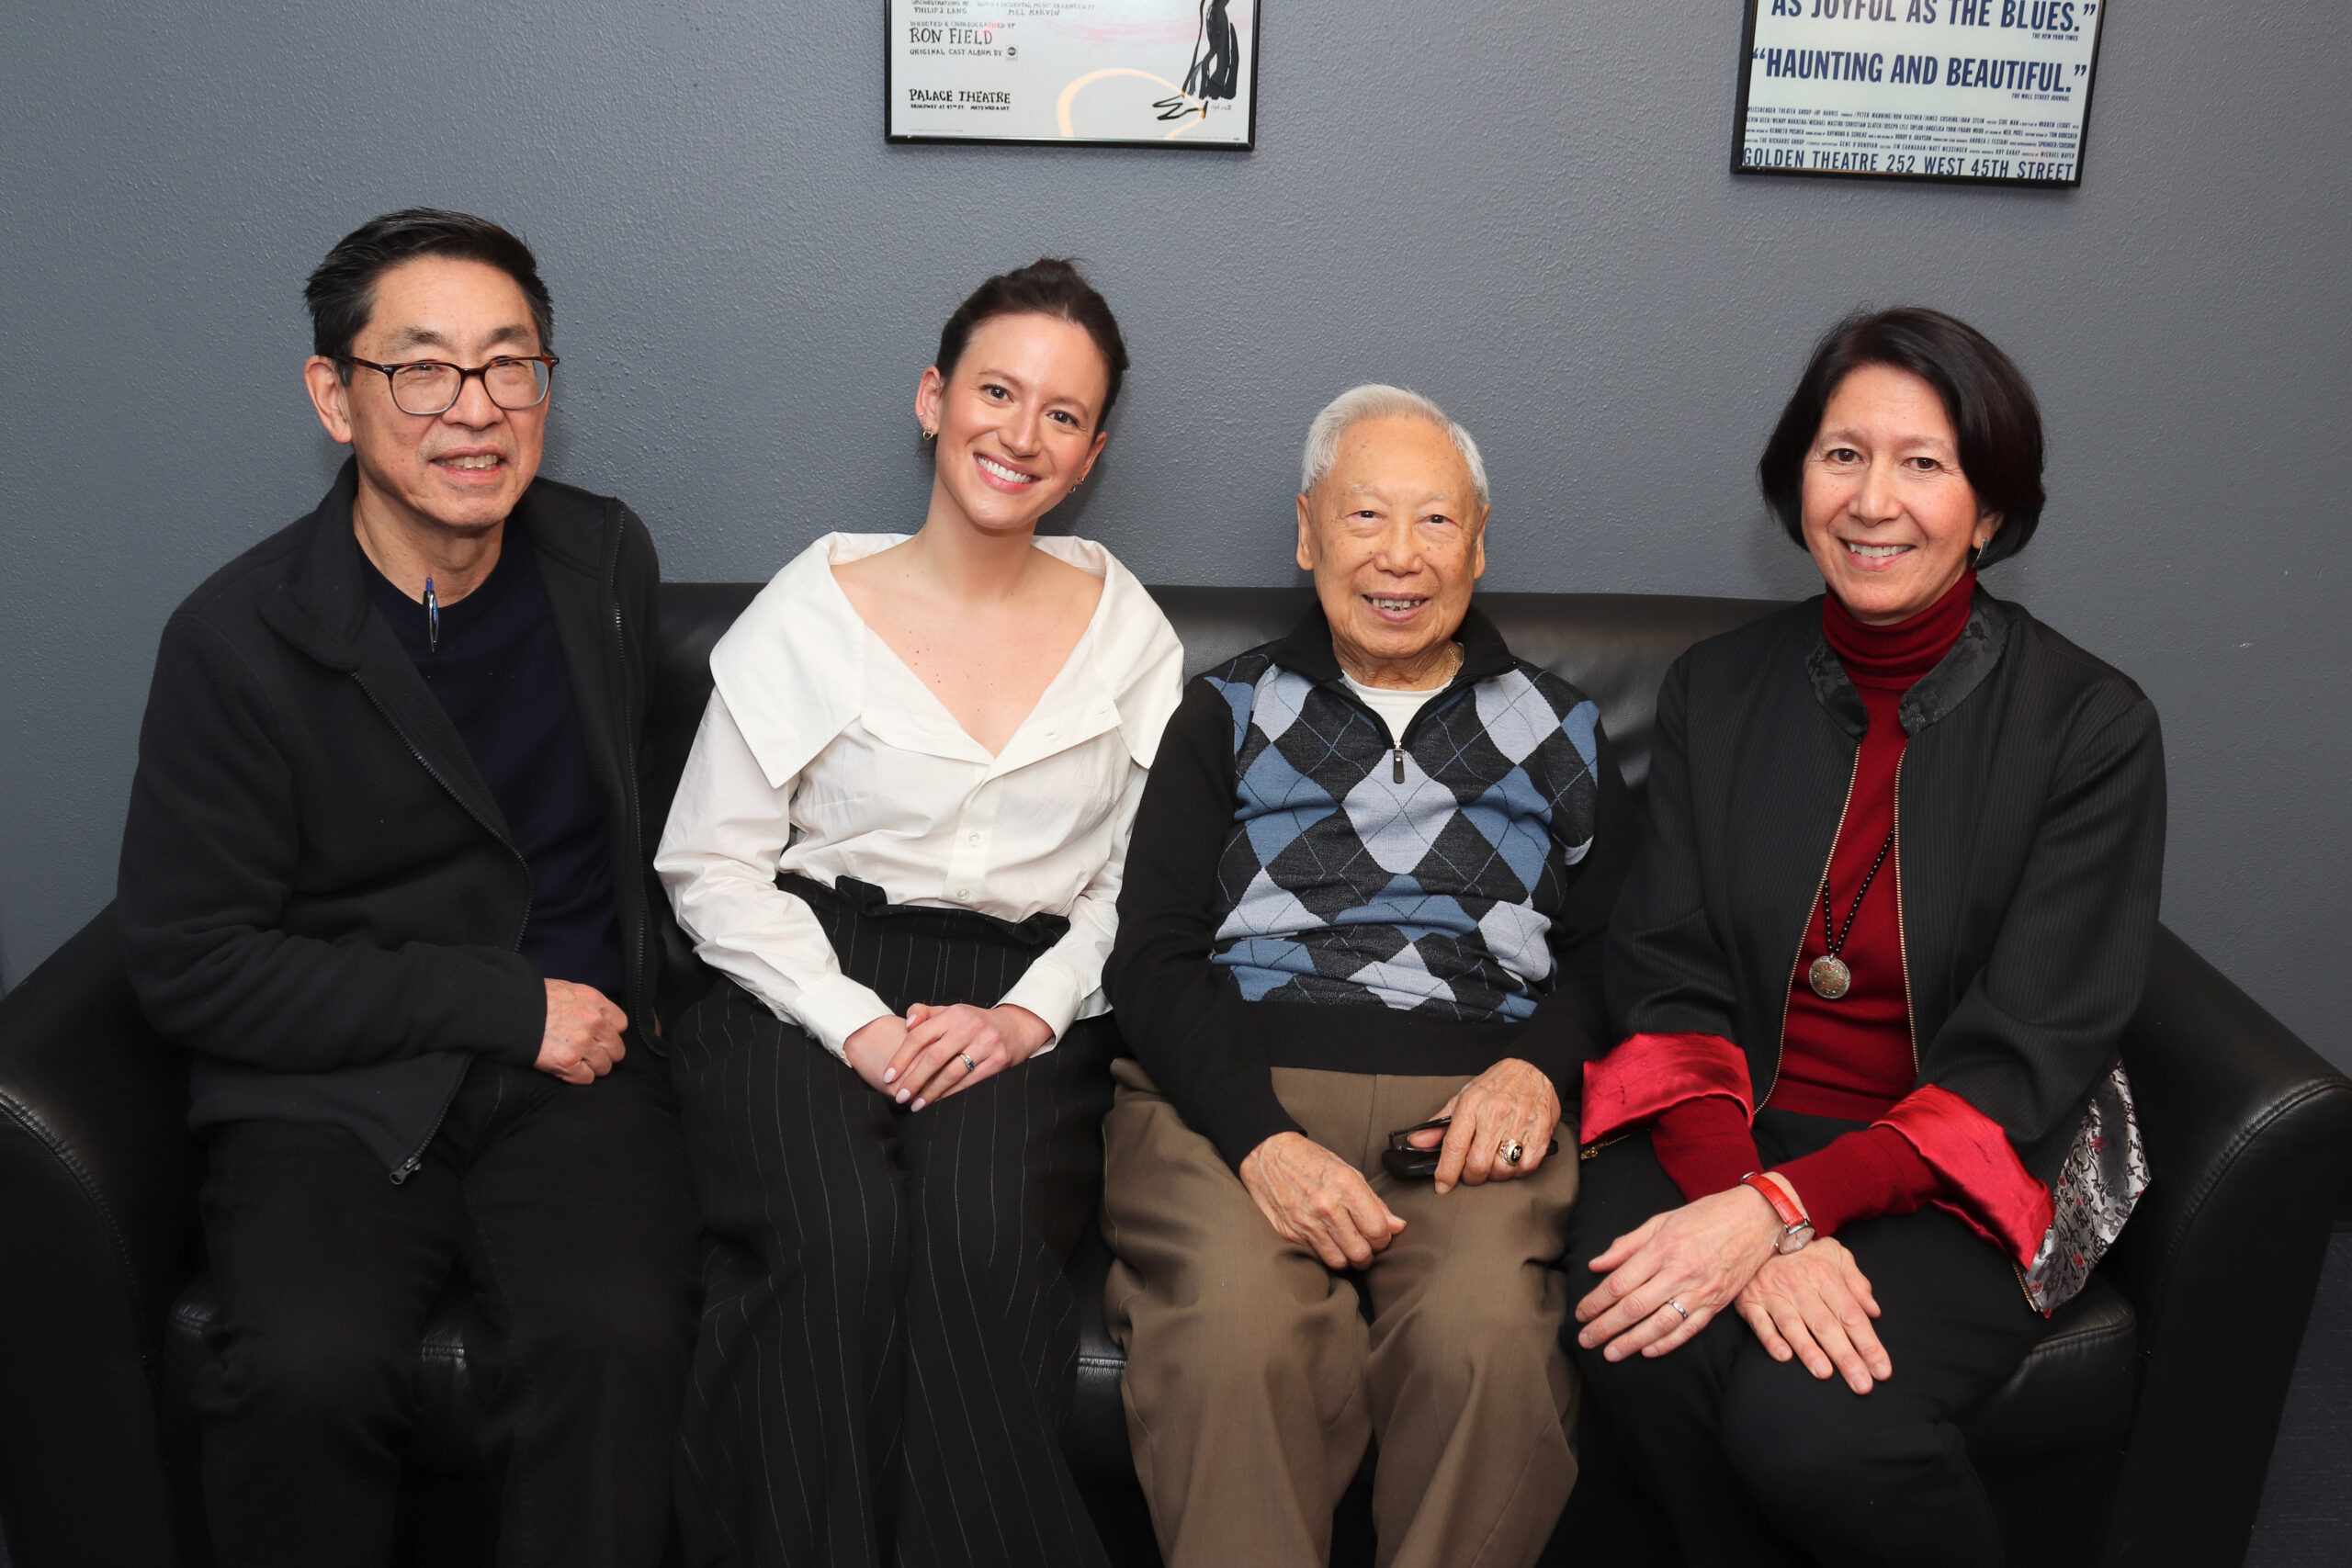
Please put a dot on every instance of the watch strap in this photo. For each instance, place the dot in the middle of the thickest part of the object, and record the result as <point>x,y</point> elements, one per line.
<point>1782,1204</point>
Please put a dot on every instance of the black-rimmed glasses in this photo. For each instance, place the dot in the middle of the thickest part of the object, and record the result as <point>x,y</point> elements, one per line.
<point>515,382</point>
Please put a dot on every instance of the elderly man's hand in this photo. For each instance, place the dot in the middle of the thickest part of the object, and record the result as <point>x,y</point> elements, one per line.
<point>1317,1200</point>
<point>1510,1102</point>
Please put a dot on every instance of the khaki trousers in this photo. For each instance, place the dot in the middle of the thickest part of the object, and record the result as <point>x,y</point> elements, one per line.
<point>1254,1381</point>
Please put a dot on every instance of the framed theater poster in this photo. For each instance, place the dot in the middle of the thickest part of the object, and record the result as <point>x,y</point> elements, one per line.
<point>1111,73</point>
<point>1983,91</point>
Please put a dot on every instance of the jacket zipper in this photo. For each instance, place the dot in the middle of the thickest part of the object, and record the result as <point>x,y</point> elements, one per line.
<point>1901,944</point>
<point>408,1167</point>
<point>1804,934</point>
<point>629,768</point>
<point>1396,742</point>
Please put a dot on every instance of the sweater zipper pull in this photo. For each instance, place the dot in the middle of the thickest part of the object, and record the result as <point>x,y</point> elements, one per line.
<point>1400,763</point>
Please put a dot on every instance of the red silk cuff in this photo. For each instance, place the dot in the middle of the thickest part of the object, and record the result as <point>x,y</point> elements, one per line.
<point>1647,1075</point>
<point>1984,1182</point>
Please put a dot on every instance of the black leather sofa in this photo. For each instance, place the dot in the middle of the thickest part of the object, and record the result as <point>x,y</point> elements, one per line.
<point>2139,1432</point>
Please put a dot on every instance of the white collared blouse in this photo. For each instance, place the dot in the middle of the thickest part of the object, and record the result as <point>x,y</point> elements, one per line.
<point>822,754</point>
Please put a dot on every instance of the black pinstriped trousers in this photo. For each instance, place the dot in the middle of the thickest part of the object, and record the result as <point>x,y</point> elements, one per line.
<point>888,1343</point>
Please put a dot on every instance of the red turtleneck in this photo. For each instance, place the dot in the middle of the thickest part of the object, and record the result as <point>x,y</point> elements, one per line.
<point>1852,1058</point>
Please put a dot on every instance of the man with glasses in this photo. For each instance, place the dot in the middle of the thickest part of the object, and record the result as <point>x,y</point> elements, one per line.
<point>384,876</point>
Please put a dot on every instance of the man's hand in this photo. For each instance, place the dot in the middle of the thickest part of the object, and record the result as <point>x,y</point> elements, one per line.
<point>1815,1304</point>
<point>946,1050</point>
<point>1317,1200</point>
<point>582,1038</point>
<point>1697,1256</point>
<point>1510,1102</point>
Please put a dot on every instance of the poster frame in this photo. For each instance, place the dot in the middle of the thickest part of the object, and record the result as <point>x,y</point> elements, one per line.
<point>891,21</point>
<point>1739,126</point>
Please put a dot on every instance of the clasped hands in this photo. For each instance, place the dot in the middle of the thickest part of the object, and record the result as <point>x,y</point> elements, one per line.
<point>1317,1201</point>
<point>936,1052</point>
<point>1813,1304</point>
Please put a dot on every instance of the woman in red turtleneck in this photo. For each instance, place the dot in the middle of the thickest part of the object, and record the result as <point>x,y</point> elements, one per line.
<point>1890,920</point>
<point>1849,1058</point>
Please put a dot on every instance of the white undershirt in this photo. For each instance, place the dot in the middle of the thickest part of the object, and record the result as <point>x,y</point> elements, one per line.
<point>1395,706</point>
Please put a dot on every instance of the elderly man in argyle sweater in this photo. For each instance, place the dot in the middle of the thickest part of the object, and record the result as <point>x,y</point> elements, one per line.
<point>1358,960</point>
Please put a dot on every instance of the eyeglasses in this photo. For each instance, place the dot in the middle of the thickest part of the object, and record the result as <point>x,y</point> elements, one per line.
<point>515,382</point>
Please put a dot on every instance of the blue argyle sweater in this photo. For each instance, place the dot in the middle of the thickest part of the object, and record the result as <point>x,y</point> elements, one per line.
<point>1304,890</point>
<point>1414,872</point>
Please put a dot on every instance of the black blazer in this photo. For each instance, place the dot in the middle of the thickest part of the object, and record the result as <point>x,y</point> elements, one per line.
<point>318,894</point>
<point>2030,813</point>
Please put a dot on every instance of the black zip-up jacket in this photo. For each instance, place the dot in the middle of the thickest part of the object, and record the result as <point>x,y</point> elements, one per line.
<point>2030,810</point>
<point>318,895</point>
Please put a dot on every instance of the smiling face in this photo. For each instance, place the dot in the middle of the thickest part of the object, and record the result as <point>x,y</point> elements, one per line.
<point>1396,536</point>
<point>1889,517</point>
<point>1018,420</point>
<point>461,470</point>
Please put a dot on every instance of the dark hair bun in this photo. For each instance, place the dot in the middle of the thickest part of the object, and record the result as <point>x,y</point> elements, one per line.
<point>1050,286</point>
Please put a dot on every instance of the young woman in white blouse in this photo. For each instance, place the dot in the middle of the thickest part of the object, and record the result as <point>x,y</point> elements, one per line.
<point>899,841</point>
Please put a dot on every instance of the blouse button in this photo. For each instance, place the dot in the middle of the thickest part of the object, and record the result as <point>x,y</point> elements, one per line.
<point>962,893</point>
<point>972,837</point>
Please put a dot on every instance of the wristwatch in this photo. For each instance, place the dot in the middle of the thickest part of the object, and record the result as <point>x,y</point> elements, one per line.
<point>1795,1229</point>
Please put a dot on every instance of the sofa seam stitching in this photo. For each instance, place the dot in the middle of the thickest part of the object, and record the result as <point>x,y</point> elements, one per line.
<point>93,1192</point>
<point>2219,1171</point>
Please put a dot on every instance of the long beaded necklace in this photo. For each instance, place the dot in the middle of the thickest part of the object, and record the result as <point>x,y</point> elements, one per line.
<point>1827,975</point>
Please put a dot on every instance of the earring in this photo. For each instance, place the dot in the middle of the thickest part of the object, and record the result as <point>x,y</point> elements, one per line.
<point>929,433</point>
<point>1977,554</point>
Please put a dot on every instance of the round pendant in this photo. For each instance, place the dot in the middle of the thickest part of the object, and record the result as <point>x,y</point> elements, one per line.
<point>1829,979</point>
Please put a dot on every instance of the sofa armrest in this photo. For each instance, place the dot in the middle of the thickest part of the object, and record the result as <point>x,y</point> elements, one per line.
<point>2249,1137</point>
<point>98,1184</point>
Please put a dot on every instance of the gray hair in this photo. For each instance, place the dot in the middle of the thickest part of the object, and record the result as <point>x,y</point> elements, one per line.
<point>1376,399</point>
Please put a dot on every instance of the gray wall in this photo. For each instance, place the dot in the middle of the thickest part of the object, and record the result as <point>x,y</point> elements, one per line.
<point>1519,208</point>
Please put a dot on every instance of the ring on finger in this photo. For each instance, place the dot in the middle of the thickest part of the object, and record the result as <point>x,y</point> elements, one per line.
<point>1678,1306</point>
<point>1510,1151</point>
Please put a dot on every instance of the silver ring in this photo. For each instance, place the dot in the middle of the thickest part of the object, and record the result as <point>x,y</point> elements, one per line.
<point>1510,1150</point>
<point>1678,1307</point>
<point>969,1065</point>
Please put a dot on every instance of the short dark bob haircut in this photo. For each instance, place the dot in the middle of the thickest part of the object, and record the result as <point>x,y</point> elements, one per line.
<point>1047,287</point>
<point>342,291</point>
<point>1985,395</point>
